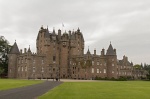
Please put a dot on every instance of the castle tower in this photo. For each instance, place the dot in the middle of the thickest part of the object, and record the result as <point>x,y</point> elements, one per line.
<point>12,65</point>
<point>42,40</point>
<point>76,43</point>
<point>111,62</point>
<point>64,54</point>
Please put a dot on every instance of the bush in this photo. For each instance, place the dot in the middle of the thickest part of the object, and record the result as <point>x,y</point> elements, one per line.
<point>113,79</point>
<point>122,78</point>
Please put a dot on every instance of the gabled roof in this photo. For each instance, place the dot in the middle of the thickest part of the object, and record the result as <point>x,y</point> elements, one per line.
<point>110,50</point>
<point>14,49</point>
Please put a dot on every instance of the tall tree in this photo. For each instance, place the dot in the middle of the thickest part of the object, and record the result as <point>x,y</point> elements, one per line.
<point>142,65</point>
<point>4,49</point>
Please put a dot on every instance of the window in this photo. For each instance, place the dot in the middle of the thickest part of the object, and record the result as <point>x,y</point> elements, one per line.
<point>112,71</point>
<point>113,64</point>
<point>92,70</point>
<point>92,62</point>
<point>97,63</point>
<point>18,68</point>
<point>79,63</point>
<point>97,70</point>
<point>104,64</point>
<point>54,59</point>
<point>33,61</point>
<point>33,69</point>
<point>22,68</point>
<point>84,62</point>
<point>104,70</point>
<point>112,59</point>
<point>25,68</point>
<point>42,69</point>
<point>70,62</point>
<point>42,61</point>
<point>54,43</point>
<point>25,60</point>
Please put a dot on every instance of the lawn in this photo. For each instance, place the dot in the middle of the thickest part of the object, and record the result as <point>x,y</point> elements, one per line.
<point>100,90</point>
<point>13,83</point>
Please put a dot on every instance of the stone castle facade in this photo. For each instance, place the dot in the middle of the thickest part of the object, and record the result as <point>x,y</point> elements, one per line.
<point>61,55</point>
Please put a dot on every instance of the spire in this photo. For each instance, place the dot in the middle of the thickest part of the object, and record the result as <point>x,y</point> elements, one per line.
<point>78,30</point>
<point>110,50</point>
<point>131,63</point>
<point>47,32</point>
<point>29,49</point>
<point>53,30</point>
<point>14,49</point>
<point>88,51</point>
<point>65,32</point>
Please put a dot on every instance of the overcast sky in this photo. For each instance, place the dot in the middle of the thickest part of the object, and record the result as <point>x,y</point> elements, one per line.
<point>126,23</point>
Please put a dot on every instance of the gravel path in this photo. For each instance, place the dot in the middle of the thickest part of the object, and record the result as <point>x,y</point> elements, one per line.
<point>29,92</point>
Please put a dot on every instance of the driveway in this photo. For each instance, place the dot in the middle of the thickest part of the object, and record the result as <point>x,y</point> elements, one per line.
<point>29,92</point>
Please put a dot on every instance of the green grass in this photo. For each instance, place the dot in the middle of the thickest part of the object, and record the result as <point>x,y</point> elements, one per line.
<point>13,83</point>
<point>100,90</point>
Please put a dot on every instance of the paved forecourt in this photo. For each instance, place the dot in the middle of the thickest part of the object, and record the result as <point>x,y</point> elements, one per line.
<point>29,92</point>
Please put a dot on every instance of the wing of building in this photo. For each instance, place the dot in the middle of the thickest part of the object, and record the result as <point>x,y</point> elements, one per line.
<point>61,55</point>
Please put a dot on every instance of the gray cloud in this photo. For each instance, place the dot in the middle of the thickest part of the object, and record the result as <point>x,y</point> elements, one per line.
<point>124,22</point>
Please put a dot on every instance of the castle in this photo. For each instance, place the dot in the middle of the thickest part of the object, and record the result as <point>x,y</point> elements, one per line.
<point>61,55</point>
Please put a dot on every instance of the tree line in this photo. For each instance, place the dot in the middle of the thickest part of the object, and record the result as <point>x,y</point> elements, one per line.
<point>4,50</point>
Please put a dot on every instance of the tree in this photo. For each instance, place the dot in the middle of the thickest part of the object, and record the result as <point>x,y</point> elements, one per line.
<point>148,75</point>
<point>4,49</point>
<point>137,66</point>
<point>142,65</point>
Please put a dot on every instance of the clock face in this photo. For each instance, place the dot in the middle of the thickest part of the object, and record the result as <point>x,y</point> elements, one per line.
<point>64,44</point>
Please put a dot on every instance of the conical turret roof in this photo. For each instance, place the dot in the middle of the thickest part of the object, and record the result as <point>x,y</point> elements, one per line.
<point>88,51</point>
<point>29,49</point>
<point>110,50</point>
<point>14,49</point>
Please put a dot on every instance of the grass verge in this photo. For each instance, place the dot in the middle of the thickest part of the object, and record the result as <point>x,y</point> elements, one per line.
<point>14,83</point>
<point>100,90</point>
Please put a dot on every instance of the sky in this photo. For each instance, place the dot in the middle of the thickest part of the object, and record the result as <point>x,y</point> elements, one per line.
<point>124,23</point>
